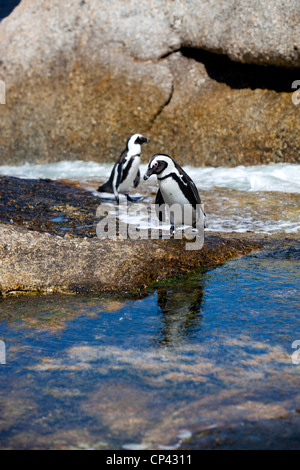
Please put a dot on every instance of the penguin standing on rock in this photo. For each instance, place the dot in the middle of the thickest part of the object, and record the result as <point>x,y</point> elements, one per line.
<point>175,187</point>
<point>125,172</point>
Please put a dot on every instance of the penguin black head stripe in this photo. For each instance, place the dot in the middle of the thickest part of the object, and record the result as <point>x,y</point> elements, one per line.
<point>175,186</point>
<point>136,139</point>
<point>125,172</point>
<point>157,164</point>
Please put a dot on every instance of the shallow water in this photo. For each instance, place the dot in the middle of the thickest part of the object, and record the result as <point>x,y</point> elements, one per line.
<point>197,353</point>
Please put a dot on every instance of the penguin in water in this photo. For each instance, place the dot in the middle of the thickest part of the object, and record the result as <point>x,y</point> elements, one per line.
<point>126,169</point>
<point>175,187</point>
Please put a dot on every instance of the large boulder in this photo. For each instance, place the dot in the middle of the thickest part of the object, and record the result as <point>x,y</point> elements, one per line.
<point>82,76</point>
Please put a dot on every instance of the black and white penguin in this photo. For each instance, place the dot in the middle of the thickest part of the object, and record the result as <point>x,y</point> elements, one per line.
<point>125,172</point>
<point>175,187</point>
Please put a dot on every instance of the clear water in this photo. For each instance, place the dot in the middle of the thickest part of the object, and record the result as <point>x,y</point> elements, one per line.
<point>203,352</point>
<point>103,373</point>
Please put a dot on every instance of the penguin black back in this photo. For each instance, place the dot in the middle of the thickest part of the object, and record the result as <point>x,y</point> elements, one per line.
<point>175,186</point>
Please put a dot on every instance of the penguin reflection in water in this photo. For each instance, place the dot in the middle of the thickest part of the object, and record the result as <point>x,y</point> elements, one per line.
<point>125,172</point>
<point>175,187</point>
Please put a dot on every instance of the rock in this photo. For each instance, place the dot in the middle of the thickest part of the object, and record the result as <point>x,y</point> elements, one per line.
<point>69,210</point>
<point>247,31</point>
<point>207,122</point>
<point>265,32</point>
<point>264,434</point>
<point>80,79</point>
<point>48,240</point>
<point>55,207</point>
<point>36,262</point>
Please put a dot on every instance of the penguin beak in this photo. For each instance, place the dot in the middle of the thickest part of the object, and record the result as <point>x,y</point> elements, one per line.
<point>148,173</point>
<point>144,139</point>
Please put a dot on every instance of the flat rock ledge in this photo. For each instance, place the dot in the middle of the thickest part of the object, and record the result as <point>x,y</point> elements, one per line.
<point>34,262</point>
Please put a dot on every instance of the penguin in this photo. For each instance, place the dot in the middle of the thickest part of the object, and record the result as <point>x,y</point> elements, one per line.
<point>126,169</point>
<point>175,187</point>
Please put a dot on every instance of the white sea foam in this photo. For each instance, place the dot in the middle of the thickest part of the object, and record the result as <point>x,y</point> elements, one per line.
<point>221,222</point>
<point>73,170</point>
<point>242,224</point>
<point>282,177</point>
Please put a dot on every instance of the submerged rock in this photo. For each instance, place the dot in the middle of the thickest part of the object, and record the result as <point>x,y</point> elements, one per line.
<point>280,433</point>
<point>80,78</point>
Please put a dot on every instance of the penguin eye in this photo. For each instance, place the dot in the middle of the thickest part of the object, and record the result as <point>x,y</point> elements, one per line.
<point>153,164</point>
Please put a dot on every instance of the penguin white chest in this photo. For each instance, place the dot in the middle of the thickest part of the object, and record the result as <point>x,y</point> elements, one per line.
<point>130,169</point>
<point>171,192</point>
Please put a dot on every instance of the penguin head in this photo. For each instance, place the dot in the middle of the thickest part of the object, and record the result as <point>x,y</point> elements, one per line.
<point>158,164</point>
<point>135,140</point>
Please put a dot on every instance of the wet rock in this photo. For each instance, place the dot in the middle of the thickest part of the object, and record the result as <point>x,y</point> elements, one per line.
<point>81,78</point>
<point>55,207</point>
<point>264,434</point>
<point>35,262</point>
<point>48,241</point>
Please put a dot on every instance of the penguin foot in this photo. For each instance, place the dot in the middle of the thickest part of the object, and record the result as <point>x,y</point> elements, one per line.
<point>133,198</point>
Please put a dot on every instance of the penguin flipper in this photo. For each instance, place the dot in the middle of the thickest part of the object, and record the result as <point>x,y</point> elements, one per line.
<point>159,199</point>
<point>194,198</point>
<point>193,194</point>
<point>160,211</point>
<point>119,175</point>
<point>117,179</point>
<point>137,179</point>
